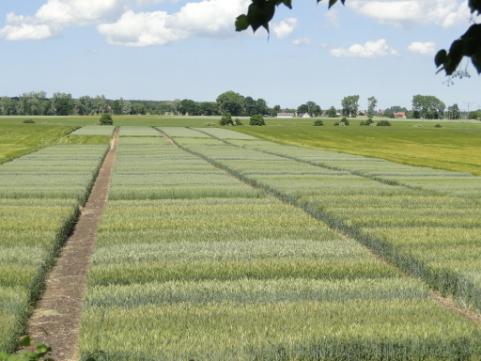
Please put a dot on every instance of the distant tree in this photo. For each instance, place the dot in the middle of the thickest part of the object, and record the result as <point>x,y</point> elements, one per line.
<point>276,110</point>
<point>350,106</point>
<point>232,103</point>
<point>428,107</point>
<point>226,120</point>
<point>262,107</point>
<point>106,119</point>
<point>257,120</point>
<point>310,108</point>
<point>63,103</point>
<point>126,107</point>
<point>454,112</point>
<point>371,107</point>
<point>208,108</point>
<point>331,112</point>
<point>188,106</point>
<point>85,105</point>
<point>389,112</point>
<point>476,115</point>
<point>101,105</point>
<point>7,106</point>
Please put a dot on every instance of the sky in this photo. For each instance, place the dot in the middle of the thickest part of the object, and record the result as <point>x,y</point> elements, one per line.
<point>176,49</point>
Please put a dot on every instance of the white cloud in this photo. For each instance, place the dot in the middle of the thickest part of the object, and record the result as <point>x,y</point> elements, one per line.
<point>440,12</point>
<point>423,48</point>
<point>205,18</point>
<point>284,28</point>
<point>369,49</point>
<point>301,41</point>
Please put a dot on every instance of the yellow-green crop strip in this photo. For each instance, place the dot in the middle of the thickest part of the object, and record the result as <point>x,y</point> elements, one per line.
<point>182,273</point>
<point>39,198</point>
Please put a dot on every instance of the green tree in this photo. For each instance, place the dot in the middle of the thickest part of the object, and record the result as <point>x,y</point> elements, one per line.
<point>332,112</point>
<point>350,106</point>
<point>63,103</point>
<point>209,108</point>
<point>85,105</point>
<point>188,106</point>
<point>310,108</point>
<point>261,12</point>
<point>232,103</point>
<point>454,112</point>
<point>428,107</point>
<point>371,107</point>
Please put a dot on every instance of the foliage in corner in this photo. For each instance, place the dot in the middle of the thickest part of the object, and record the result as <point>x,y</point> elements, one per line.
<point>29,353</point>
<point>261,12</point>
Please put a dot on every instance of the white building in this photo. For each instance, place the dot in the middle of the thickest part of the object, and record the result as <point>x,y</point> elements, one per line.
<point>285,115</point>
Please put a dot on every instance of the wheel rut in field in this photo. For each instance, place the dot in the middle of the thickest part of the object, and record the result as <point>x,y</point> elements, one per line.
<point>336,224</point>
<point>56,317</point>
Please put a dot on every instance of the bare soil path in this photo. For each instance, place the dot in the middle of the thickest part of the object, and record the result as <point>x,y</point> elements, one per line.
<point>56,318</point>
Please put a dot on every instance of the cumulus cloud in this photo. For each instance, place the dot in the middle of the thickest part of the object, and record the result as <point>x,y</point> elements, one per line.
<point>121,25</point>
<point>445,13</point>
<point>423,48</point>
<point>284,28</point>
<point>206,18</point>
<point>370,49</point>
<point>301,41</point>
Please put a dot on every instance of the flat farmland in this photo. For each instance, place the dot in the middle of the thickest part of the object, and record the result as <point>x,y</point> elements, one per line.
<point>218,245</point>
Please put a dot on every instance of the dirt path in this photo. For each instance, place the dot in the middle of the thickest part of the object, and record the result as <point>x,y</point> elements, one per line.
<point>56,319</point>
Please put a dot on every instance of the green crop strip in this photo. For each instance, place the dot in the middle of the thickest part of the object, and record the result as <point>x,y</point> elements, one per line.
<point>40,196</point>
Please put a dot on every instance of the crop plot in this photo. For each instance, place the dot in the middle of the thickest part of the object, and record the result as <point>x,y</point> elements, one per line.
<point>182,272</point>
<point>133,131</point>
<point>441,181</point>
<point>39,198</point>
<point>105,130</point>
<point>401,224</point>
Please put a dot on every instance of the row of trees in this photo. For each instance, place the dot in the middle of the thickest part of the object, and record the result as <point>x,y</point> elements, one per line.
<point>235,104</point>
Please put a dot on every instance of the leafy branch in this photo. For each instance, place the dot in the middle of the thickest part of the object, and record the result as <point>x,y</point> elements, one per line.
<point>261,12</point>
<point>39,352</point>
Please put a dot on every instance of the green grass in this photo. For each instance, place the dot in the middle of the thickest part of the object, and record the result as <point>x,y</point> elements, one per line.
<point>17,139</point>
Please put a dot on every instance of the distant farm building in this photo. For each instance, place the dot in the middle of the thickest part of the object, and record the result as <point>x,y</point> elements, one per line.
<point>400,115</point>
<point>306,116</point>
<point>285,115</point>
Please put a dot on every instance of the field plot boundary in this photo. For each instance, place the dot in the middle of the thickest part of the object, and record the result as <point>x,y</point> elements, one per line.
<point>377,246</point>
<point>56,318</point>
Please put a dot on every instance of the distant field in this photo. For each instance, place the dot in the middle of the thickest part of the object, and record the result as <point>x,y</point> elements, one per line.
<point>16,139</point>
<point>456,146</point>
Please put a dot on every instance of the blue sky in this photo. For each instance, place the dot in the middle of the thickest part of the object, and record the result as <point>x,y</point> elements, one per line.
<point>150,49</point>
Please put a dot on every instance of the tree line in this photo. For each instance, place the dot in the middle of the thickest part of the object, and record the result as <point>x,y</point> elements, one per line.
<point>230,102</point>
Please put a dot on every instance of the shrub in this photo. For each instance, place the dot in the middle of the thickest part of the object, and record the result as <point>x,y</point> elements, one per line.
<point>106,119</point>
<point>237,121</point>
<point>28,121</point>
<point>367,122</point>
<point>383,123</point>
<point>342,123</point>
<point>318,123</point>
<point>438,126</point>
<point>226,120</point>
<point>257,120</point>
